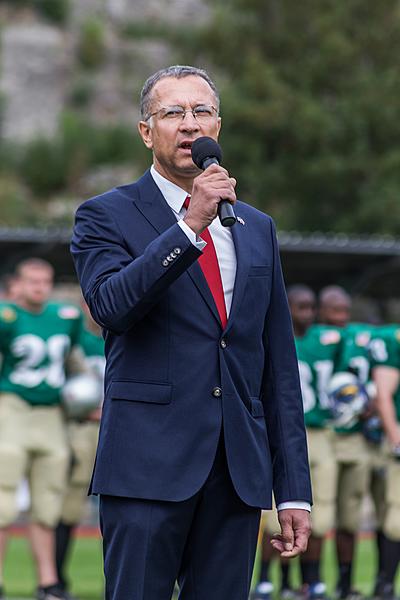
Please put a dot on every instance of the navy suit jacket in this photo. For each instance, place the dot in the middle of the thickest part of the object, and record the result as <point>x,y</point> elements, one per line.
<point>167,353</point>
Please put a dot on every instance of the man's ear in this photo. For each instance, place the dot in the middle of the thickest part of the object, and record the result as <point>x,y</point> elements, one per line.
<point>146,134</point>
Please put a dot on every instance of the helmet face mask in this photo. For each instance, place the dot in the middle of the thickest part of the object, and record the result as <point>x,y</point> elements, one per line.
<point>348,399</point>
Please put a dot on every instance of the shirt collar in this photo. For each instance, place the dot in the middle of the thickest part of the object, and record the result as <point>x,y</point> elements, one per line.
<point>173,194</point>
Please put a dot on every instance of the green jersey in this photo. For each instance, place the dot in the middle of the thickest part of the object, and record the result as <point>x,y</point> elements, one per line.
<point>355,357</point>
<point>317,352</point>
<point>34,347</point>
<point>93,349</point>
<point>385,351</point>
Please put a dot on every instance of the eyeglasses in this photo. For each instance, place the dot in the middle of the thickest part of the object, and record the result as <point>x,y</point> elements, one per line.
<point>201,113</point>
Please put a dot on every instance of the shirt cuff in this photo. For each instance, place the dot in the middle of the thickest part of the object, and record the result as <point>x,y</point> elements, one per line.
<point>196,240</point>
<point>294,504</point>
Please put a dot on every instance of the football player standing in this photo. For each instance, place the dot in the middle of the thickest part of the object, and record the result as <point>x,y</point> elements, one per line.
<point>317,347</point>
<point>83,430</point>
<point>36,338</point>
<point>351,448</point>
<point>317,350</point>
<point>386,374</point>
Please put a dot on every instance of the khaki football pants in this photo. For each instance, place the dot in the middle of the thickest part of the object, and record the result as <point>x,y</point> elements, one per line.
<point>391,510</point>
<point>323,478</point>
<point>83,442</point>
<point>33,444</point>
<point>353,461</point>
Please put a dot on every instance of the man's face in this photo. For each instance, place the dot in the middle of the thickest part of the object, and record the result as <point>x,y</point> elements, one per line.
<point>35,285</point>
<point>302,308</point>
<point>336,312</point>
<point>170,140</point>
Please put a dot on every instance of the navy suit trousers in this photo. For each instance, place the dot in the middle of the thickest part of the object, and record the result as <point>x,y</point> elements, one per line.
<point>207,543</point>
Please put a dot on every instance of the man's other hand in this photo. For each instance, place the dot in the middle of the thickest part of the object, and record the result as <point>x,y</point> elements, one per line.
<point>295,530</point>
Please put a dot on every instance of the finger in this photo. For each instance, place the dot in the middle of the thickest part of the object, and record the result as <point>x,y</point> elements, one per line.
<point>214,169</point>
<point>287,535</point>
<point>278,546</point>
<point>301,540</point>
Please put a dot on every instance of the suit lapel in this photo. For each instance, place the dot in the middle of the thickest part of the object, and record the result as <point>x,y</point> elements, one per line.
<point>200,282</point>
<point>153,205</point>
<point>242,240</point>
<point>155,209</point>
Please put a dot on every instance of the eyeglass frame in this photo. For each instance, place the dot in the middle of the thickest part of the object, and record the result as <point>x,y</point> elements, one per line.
<point>184,111</point>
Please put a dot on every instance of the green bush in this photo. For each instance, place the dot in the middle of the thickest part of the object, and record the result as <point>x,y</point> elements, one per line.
<point>15,203</point>
<point>43,167</point>
<point>56,11</point>
<point>81,93</point>
<point>91,47</point>
<point>49,166</point>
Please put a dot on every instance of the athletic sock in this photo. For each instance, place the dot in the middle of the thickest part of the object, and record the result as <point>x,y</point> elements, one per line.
<point>285,585</point>
<point>390,558</point>
<point>379,540</point>
<point>264,571</point>
<point>310,571</point>
<point>344,584</point>
<point>63,535</point>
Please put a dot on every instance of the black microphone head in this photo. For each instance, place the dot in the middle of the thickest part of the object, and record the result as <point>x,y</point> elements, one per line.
<point>203,148</point>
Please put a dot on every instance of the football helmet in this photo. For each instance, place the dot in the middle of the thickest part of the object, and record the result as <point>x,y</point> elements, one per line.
<point>81,394</point>
<point>348,399</point>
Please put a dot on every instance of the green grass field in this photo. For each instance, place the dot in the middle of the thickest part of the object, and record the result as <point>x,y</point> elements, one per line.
<point>86,568</point>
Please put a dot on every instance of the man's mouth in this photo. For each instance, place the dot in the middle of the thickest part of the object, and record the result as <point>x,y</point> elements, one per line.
<point>187,145</point>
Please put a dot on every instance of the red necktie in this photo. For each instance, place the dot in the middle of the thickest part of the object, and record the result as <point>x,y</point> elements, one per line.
<point>209,265</point>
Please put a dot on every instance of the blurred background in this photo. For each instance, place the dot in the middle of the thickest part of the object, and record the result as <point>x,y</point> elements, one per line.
<point>311,128</point>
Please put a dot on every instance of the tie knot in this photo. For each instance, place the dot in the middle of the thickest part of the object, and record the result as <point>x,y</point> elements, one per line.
<point>186,203</point>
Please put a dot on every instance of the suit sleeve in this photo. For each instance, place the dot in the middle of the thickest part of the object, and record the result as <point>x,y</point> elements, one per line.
<point>121,289</point>
<point>282,396</point>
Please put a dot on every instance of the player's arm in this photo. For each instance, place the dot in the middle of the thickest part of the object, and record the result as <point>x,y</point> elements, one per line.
<point>75,363</point>
<point>387,380</point>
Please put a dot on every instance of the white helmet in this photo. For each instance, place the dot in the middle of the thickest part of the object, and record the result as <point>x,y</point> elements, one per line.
<point>348,399</point>
<point>81,394</point>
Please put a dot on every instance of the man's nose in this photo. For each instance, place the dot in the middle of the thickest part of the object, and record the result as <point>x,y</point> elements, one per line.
<point>189,121</point>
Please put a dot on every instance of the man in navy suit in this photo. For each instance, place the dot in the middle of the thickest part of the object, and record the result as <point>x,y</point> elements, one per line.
<point>202,416</point>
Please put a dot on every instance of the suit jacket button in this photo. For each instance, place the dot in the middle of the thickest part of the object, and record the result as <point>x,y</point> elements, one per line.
<point>165,263</point>
<point>217,392</point>
<point>177,250</point>
<point>223,343</point>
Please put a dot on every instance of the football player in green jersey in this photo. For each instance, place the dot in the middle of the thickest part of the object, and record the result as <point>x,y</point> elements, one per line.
<point>302,307</point>
<point>351,448</point>
<point>83,431</point>
<point>36,338</point>
<point>317,347</point>
<point>386,374</point>
<point>317,350</point>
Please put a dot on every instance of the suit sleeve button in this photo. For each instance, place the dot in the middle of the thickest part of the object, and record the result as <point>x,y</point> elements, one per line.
<point>165,263</point>
<point>217,392</point>
<point>177,250</point>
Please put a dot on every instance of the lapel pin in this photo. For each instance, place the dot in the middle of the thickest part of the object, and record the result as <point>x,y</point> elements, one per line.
<point>240,220</point>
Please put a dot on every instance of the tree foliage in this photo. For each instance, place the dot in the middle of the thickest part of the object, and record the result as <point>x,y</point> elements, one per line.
<point>311,107</point>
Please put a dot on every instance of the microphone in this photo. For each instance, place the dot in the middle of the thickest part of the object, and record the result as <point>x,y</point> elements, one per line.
<point>206,152</point>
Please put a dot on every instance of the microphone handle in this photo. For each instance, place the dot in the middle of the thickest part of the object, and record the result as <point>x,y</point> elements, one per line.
<point>226,213</point>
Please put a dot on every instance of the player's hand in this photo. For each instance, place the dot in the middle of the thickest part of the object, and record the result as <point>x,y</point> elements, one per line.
<point>209,188</point>
<point>295,530</point>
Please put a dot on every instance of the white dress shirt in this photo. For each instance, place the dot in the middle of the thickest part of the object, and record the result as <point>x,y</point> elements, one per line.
<point>225,250</point>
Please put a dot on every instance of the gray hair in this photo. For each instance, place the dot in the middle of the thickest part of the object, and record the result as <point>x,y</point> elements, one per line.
<point>177,71</point>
